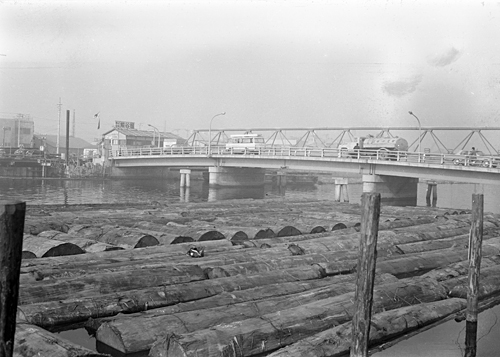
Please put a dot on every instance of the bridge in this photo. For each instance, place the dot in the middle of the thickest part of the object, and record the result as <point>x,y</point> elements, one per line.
<point>395,174</point>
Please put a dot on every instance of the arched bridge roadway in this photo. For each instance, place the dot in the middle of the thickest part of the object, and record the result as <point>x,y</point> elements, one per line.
<point>450,167</point>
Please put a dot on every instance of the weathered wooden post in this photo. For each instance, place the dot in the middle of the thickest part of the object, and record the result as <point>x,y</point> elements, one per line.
<point>367,258</point>
<point>475,243</point>
<point>11,246</point>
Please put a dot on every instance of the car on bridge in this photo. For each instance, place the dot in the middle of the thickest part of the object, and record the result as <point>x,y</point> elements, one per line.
<point>473,158</point>
<point>245,143</point>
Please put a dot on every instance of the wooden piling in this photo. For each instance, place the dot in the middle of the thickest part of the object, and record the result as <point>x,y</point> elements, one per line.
<point>11,243</point>
<point>475,252</point>
<point>365,274</point>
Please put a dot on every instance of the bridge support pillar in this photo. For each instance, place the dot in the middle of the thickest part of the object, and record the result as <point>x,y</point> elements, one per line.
<point>431,189</point>
<point>394,190</point>
<point>341,192</point>
<point>185,178</point>
<point>281,178</point>
<point>235,176</point>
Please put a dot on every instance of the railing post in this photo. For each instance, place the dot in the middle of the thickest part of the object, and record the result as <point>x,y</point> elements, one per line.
<point>11,245</point>
<point>367,257</point>
<point>475,243</point>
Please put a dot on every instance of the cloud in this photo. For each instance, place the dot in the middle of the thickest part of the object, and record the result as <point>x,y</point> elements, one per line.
<point>446,58</point>
<point>402,87</point>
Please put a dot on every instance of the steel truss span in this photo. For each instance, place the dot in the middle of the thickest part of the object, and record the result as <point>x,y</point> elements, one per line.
<point>440,139</point>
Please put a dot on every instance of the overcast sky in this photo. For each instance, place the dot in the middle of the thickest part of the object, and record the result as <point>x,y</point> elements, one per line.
<point>175,64</point>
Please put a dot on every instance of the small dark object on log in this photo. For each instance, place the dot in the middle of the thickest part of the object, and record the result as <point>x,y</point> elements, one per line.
<point>194,252</point>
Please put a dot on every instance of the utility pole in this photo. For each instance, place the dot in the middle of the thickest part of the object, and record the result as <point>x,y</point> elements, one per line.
<point>59,126</point>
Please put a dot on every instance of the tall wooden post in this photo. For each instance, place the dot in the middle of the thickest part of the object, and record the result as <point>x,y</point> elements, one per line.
<point>365,274</point>
<point>475,243</point>
<point>11,246</point>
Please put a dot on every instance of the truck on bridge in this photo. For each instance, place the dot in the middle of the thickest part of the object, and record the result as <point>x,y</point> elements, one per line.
<point>373,146</point>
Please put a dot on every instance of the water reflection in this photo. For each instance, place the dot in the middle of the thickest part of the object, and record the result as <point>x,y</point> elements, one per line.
<point>184,194</point>
<point>226,193</point>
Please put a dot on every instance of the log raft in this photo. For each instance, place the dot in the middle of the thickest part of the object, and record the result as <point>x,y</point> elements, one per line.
<point>252,292</point>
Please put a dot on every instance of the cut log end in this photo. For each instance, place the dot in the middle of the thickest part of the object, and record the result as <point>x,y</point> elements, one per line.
<point>211,235</point>
<point>63,249</point>
<point>27,255</point>
<point>288,231</point>
<point>147,241</point>
<point>182,239</point>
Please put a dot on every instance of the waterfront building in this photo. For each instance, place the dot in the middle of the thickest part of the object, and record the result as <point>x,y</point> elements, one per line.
<point>125,136</point>
<point>17,130</point>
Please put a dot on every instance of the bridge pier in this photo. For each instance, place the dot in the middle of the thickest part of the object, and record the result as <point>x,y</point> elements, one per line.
<point>341,192</point>
<point>431,189</point>
<point>281,178</point>
<point>394,190</point>
<point>185,178</point>
<point>235,176</point>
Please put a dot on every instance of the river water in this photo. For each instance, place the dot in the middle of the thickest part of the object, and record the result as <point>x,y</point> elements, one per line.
<point>54,191</point>
<point>445,340</point>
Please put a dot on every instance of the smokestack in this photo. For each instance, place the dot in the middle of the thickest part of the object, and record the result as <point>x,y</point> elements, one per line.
<point>74,123</point>
<point>67,137</point>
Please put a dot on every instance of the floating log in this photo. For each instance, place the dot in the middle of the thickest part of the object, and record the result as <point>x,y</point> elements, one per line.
<point>51,312</point>
<point>43,247</point>
<point>89,231</point>
<point>460,241</point>
<point>57,266</point>
<point>245,261</point>
<point>128,238</point>
<point>88,245</point>
<point>36,226</point>
<point>489,283</point>
<point>385,325</point>
<point>138,332</point>
<point>238,338</point>
<point>103,283</point>
<point>422,262</point>
<point>31,340</point>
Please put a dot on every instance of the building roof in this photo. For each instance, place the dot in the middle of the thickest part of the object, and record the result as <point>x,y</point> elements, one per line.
<point>74,143</point>
<point>143,133</point>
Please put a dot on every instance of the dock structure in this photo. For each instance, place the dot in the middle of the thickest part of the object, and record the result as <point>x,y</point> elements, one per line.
<point>213,279</point>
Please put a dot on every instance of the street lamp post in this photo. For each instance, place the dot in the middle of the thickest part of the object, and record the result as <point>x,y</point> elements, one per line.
<point>3,141</point>
<point>210,133</point>
<point>419,135</point>
<point>159,135</point>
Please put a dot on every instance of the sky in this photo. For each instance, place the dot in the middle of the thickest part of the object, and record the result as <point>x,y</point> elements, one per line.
<point>267,64</point>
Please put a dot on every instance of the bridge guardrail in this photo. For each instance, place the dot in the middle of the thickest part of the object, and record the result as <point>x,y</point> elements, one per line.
<point>290,151</point>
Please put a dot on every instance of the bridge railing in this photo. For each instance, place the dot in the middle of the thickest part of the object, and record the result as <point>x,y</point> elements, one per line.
<point>311,152</point>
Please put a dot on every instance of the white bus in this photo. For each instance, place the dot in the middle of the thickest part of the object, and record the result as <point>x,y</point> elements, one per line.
<point>245,143</point>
